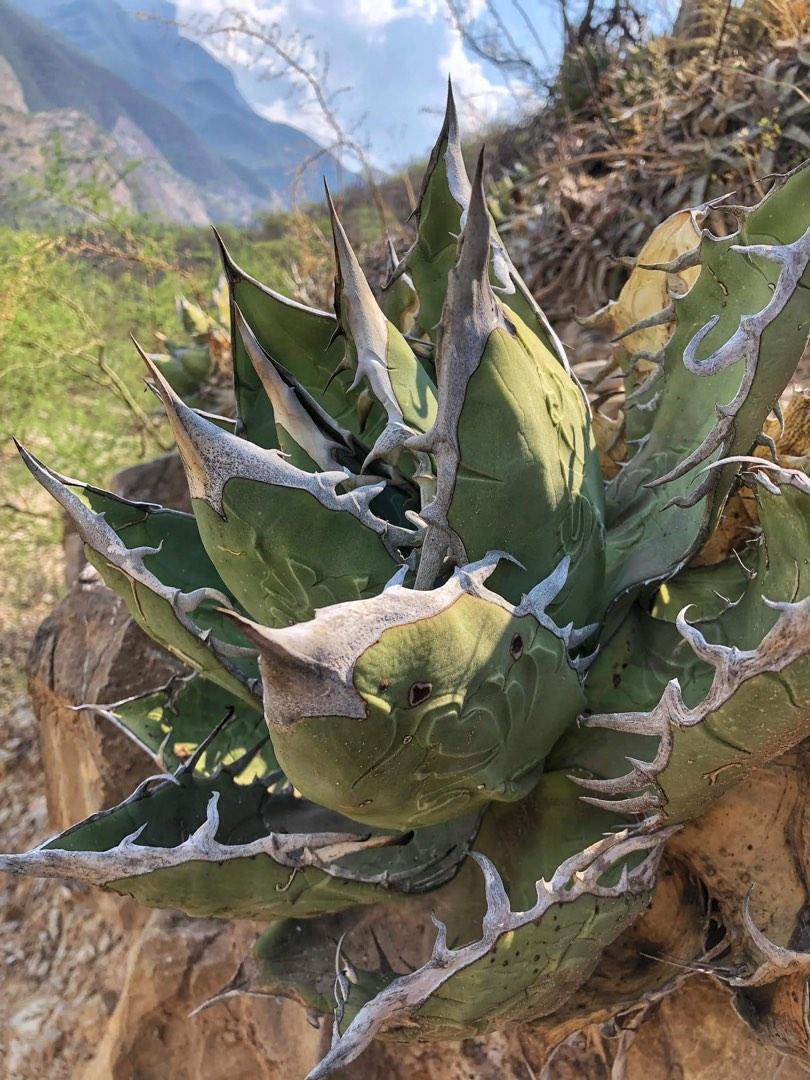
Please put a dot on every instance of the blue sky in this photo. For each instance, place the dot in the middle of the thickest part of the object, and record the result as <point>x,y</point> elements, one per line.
<point>395,56</point>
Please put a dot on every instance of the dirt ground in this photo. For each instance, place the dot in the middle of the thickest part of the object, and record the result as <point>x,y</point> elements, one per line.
<point>56,996</point>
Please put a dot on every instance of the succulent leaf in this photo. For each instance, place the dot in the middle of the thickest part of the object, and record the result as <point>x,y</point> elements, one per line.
<point>515,464</point>
<point>739,333</point>
<point>215,847</point>
<point>379,354</point>
<point>299,337</point>
<point>505,974</point>
<point>163,593</point>
<point>173,724</point>
<point>420,706</point>
<point>697,714</point>
<point>253,507</point>
<point>411,615</point>
<point>441,214</point>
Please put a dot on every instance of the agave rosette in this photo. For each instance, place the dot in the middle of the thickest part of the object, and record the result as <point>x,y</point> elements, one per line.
<point>420,625</point>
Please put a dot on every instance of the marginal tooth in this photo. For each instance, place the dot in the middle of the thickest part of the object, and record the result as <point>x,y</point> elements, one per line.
<point>207,832</point>
<point>765,440</point>
<point>639,805</point>
<point>388,445</point>
<point>543,595</point>
<point>685,261</point>
<point>578,635</point>
<point>658,318</point>
<point>581,664</point>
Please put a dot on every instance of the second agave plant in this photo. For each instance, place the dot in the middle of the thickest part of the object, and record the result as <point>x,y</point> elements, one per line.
<point>430,649</point>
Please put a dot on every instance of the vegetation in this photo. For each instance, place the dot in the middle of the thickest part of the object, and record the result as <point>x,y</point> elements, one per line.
<point>68,302</point>
<point>403,559</point>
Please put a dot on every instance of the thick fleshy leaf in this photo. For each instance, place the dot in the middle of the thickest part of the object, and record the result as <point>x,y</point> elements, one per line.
<point>516,465</point>
<point>175,723</point>
<point>557,889</point>
<point>694,707</point>
<point>300,338</point>
<point>154,560</point>
<point>305,432</point>
<point>215,847</point>
<point>739,333</point>
<point>440,215</point>
<point>420,705</point>
<point>400,301</point>
<point>378,354</point>
<point>284,541</point>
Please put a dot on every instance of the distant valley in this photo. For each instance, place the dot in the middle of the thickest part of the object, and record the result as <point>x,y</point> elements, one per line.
<point>133,104</point>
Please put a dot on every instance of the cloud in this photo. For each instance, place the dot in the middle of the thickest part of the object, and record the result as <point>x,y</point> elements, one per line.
<point>480,99</point>
<point>394,55</point>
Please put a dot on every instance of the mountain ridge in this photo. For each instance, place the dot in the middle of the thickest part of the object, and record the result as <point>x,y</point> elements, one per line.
<point>239,162</point>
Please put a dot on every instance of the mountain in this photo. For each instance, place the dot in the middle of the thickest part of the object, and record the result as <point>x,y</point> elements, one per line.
<point>160,97</point>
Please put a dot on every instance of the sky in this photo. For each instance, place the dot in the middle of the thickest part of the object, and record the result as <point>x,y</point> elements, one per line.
<point>394,56</point>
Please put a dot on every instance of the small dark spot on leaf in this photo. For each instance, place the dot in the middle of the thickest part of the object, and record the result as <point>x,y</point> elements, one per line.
<point>383,685</point>
<point>419,692</point>
<point>516,647</point>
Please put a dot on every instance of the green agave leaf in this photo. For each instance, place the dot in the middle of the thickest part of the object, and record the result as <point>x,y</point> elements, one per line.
<point>414,707</point>
<point>313,441</point>
<point>379,354</point>
<point>440,214</point>
<point>174,724</point>
<point>212,847</point>
<point>171,591</point>
<point>298,959</point>
<point>284,541</point>
<point>561,892</point>
<point>400,301</point>
<point>739,333</point>
<point>694,716</point>
<point>442,202</point>
<point>305,432</point>
<point>516,465</point>
<point>303,339</point>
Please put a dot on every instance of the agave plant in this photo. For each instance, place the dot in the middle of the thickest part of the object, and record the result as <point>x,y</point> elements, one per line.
<point>198,365</point>
<point>420,626</point>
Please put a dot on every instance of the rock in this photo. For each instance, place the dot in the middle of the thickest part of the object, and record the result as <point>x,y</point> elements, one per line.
<point>172,966</point>
<point>90,650</point>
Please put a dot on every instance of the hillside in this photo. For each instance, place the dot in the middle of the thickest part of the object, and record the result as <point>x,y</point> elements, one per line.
<point>142,79</point>
<point>154,58</point>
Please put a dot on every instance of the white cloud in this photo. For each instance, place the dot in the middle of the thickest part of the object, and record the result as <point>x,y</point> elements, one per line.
<point>394,55</point>
<point>286,111</point>
<point>480,100</point>
<point>378,13</point>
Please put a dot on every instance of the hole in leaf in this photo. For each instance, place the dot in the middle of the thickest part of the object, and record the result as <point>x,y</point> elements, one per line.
<point>516,647</point>
<point>419,692</point>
